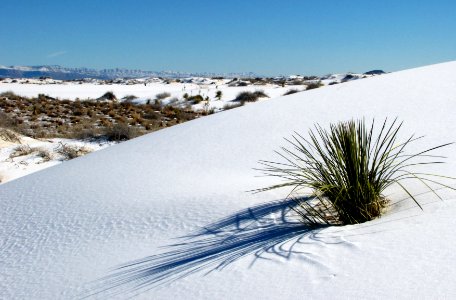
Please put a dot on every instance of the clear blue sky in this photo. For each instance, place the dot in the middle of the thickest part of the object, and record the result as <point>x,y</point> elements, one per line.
<point>266,37</point>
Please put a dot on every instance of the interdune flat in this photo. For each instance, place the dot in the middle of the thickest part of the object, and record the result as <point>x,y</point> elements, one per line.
<point>171,207</point>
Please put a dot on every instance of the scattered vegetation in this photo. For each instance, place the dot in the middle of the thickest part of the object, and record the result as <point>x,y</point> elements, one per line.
<point>347,169</point>
<point>46,117</point>
<point>218,95</point>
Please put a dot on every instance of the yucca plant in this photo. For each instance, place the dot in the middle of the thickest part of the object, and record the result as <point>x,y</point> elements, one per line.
<point>347,169</point>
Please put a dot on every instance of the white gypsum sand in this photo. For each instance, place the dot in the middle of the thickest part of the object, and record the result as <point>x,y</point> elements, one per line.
<point>64,228</point>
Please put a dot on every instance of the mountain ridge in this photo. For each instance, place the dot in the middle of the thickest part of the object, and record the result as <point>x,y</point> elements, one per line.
<point>67,73</point>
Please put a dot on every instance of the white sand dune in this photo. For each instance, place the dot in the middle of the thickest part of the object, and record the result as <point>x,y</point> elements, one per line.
<point>65,228</point>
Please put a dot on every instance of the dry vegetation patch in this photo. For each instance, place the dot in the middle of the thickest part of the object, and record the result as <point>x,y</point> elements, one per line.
<point>46,117</point>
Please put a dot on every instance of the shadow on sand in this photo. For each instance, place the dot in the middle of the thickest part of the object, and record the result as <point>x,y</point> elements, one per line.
<point>257,230</point>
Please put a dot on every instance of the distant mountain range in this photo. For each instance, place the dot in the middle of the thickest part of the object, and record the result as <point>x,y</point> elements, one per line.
<point>63,73</point>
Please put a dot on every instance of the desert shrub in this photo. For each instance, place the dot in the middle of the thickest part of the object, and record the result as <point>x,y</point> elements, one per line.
<point>10,95</point>
<point>6,122</point>
<point>108,96</point>
<point>195,99</point>
<point>21,150</point>
<point>9,135</point>
<point>129,98</point>
<point>120,132</point>
<point>292,91</point>
<point>173,100</point>
<point>313,85</point>
<point>218,95</point>
<point>151,115</point>
<point>347,169</point>
<point>162,96</point>
<point>348,77</point>
<point>70,151</point>
<point>249,96</point>
<point>233,105</point>
<point>44,154</point>
<point>87,133</point>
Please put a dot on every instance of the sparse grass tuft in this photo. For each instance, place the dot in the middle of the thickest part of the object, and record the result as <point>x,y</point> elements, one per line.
<point>109,96</point>
<point>120,132</point>
<point>348,168</point>
<point>70,152</point>
<point>250,96</point>
<point>21,150</point>
<point>231,106</point>
<point>314,85</point>
<point>162,96</point>
<point>9,136</point>
<point>292,91</point>
<point>44,154</point>
<point>195,99</point>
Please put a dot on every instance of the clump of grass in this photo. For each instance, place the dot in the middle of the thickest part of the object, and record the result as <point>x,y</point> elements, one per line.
<point>21,150</point>
<point>314,85</point>
<point>195,99</point>
<point>162,96</point>
<point>120,132</point>
<point>231,106</point>
<point>347,169</point>
<point>9,136</point>
<point>129,98</point>
<point>70,152</point>
<point>108,96</point>
<point>44,154</point>
<point>250,96</point>
<point>292,91</point>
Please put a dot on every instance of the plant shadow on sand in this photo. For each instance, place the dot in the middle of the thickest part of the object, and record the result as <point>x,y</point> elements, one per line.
<point>265,228</point>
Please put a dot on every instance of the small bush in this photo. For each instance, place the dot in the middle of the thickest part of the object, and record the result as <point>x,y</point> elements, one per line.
<point>195,99</point>
<point>21,150</point>
<point>44,154</point>
<point>70,152</point>
<point>218,95</point>
<point>10,95</point>
<point>109,96</point>
<point>292,91</point>
<point>162,96</point>
<point>231,106</point>
<point>249,96</point>
<point>120,132</point>
<point>129,98</point>
<point>348,168</point>
<point>9,136</point>
<point>313,85</point>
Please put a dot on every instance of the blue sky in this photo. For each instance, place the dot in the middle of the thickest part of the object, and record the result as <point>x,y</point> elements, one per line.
<point>266,37</point>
